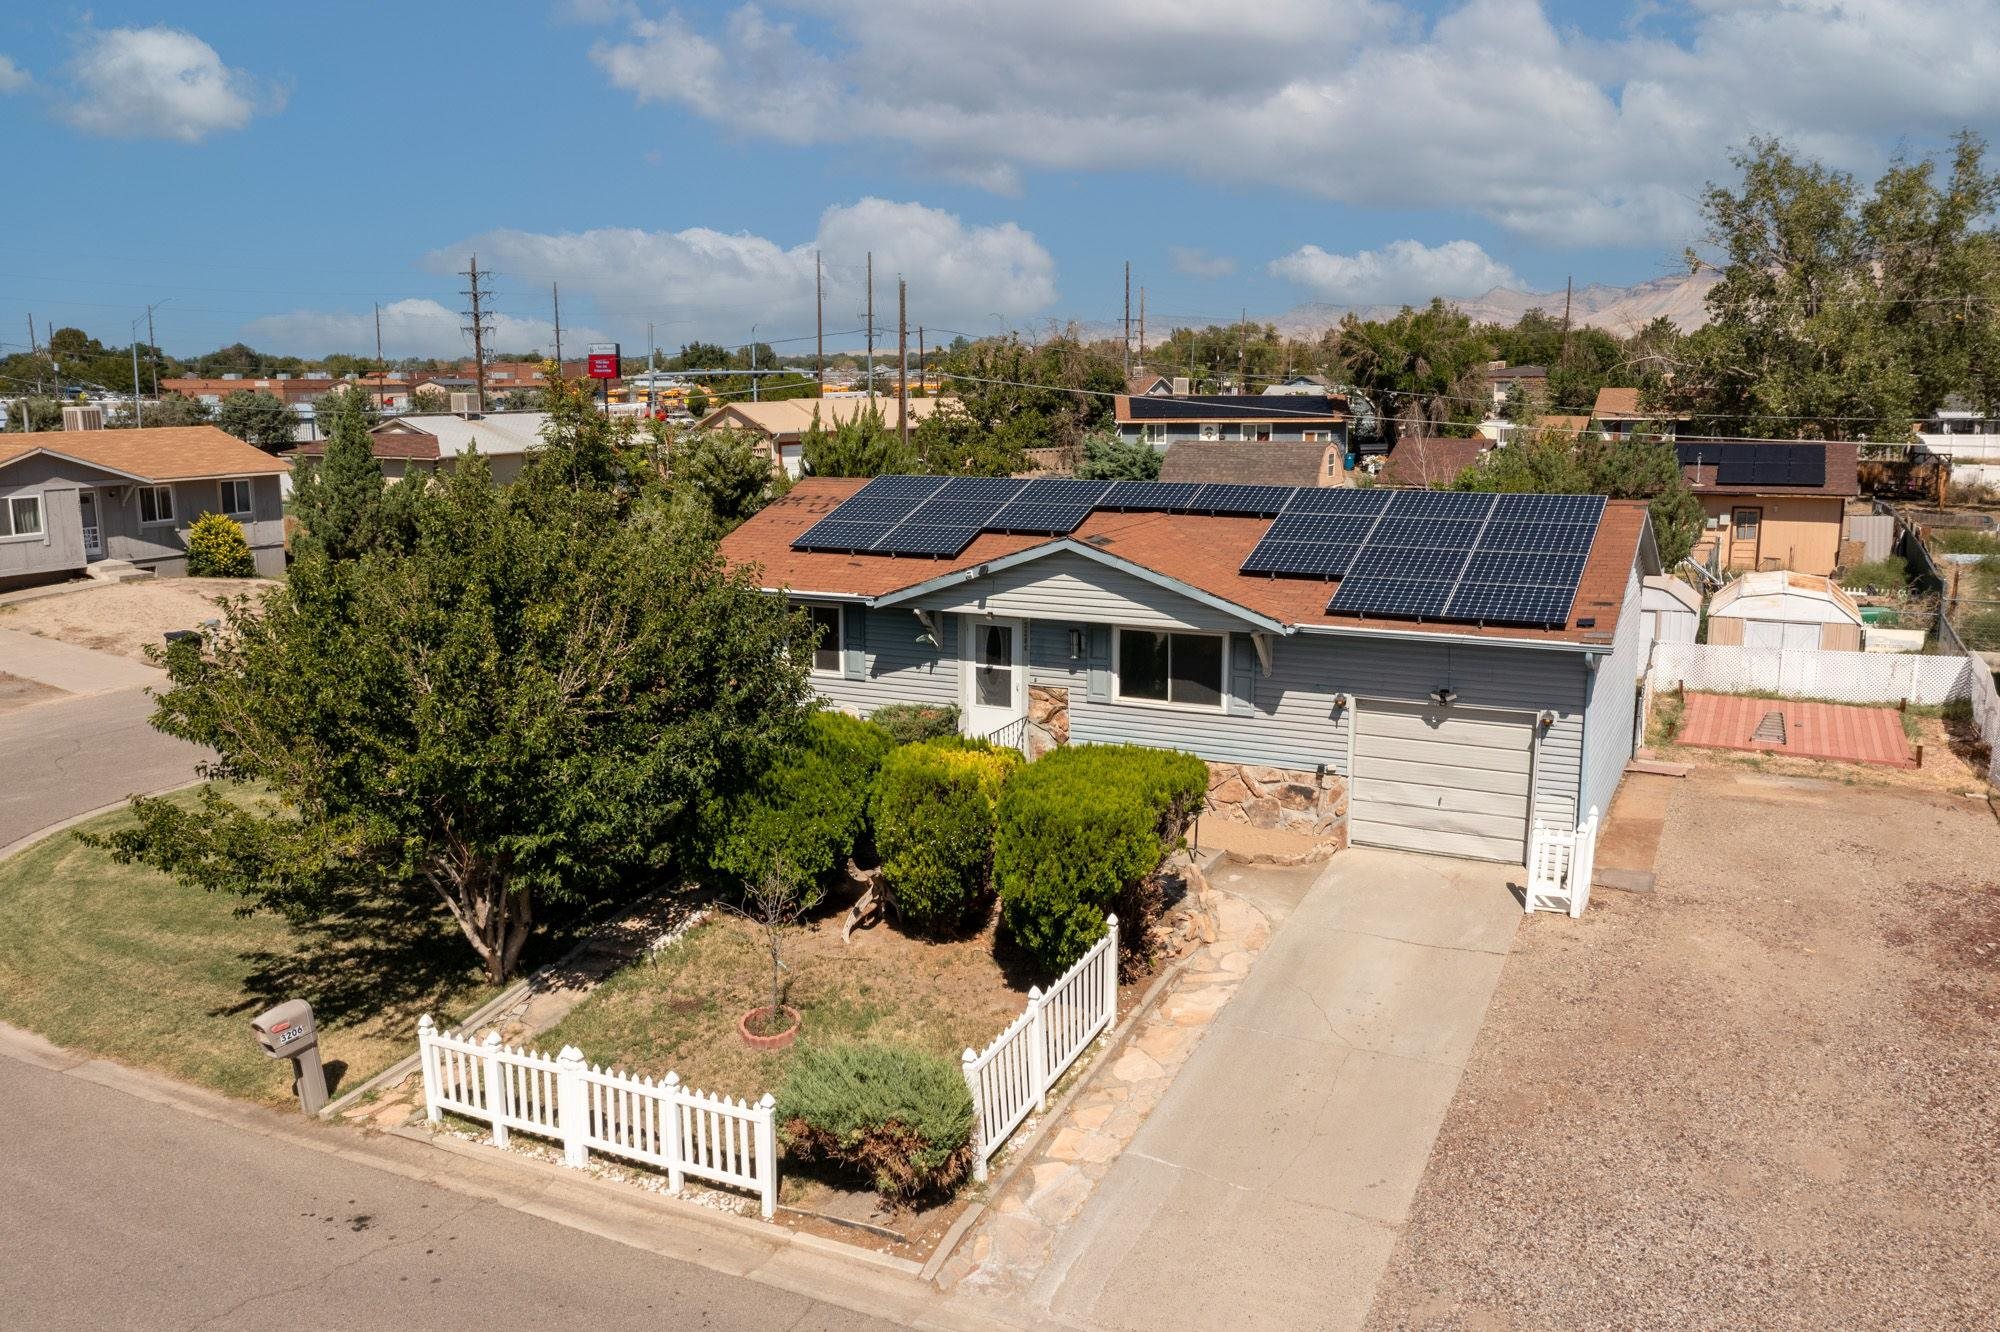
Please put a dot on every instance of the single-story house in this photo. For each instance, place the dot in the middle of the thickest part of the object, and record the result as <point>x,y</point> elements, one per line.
<point>1271,463</point>
<point>1771,504</point>
<point>70,498</point>
<point>429,442</point>
<point>1616,414</point>
<point>780,428</point>
<point>1779,609</point>
<point>1144,383</point>
<point>1669,608</point>
<point>1161,421</point>
<point>1501,379</point>
<point>1300,386</point>
<point>1397,721</point>
<point>1431,460</point>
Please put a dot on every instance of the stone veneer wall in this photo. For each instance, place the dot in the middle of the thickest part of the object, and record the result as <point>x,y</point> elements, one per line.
<point>1048,719</point>
<point>1294,799</point>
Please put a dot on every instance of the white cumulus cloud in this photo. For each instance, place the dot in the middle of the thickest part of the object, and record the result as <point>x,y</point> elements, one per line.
<point>160,83</point>
<point>13,78</point>
<point>1196,262</point>
<point>414,327</point>
<point>1401,271</point>
<point>1489,106</point>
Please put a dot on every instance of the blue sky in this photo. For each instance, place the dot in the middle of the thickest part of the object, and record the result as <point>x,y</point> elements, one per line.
<point>271,177</point>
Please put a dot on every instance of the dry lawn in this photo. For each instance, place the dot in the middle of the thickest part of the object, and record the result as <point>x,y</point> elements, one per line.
<point>1765,1095</point>
<point>127,618</point>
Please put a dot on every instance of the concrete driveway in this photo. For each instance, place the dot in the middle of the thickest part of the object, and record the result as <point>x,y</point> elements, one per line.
<point>87,746</point>
<point>1268,1188</point>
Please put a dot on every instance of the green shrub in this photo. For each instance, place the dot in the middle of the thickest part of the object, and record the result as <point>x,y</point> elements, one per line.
<point>1962,541</point>
<point>913,723</point>
<point>217,548</point>
<point>808,809</point>
<point>899,1115</point>
<point>933,815</point>
<point>1885,575</point>
<point>1078,831</point>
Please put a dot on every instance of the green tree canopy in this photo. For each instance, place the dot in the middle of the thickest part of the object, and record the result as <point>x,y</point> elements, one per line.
<point>172,409</point>
<point>258,418</point>
<point>1107,456</point>
<point>344,509</point>
<point>532,705</point>
<point>1557,463</point>
<point>721,473</point>
<point>1424,369</point>
<point>862,445</point>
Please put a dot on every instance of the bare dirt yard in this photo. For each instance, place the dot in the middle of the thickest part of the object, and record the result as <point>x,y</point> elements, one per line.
<point>127,617</point>
<point>1765,1095</point>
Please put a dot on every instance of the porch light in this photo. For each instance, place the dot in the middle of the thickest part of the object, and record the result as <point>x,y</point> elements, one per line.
<point>1444,697</point>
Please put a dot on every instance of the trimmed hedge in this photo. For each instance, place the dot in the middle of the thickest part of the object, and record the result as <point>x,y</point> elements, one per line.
<point>1082,828</point>
<point>899,1115</point>
<point>217,548</point>
<point>808,809</point>
<point>933,813</point>
<point>912,723</point>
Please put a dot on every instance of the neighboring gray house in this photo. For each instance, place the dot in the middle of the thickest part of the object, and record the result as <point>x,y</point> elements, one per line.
<point>1139,627</point>
<point>70,498</point>
<point>1164,420</point>
<point>429,442</point>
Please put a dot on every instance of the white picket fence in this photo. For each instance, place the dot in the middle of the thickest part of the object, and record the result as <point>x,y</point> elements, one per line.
<point>1560,864</point>
<point>587,1108</point>
<point>1013,1074</point>
<point>1846,677</point>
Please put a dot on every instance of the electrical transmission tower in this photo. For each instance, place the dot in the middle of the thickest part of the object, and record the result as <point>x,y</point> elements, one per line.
<point>480,328</point>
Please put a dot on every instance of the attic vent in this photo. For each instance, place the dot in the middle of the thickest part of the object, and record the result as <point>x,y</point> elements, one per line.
<point>1099,540</point>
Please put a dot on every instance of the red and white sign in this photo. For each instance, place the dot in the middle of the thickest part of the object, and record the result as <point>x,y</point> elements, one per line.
<point>603,360</point>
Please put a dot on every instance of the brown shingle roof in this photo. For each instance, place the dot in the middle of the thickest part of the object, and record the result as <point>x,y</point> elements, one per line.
<point>1202,552</point>
<point>1252,462</point>
<point>153,453</point>
<point>1617,404</point>
<point>1432,461</point>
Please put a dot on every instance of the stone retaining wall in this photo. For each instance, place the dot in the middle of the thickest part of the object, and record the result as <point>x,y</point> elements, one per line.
<point>1294,799</point>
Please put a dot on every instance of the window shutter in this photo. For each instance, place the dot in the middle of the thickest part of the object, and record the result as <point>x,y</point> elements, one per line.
<point>854,657</point>
<point>1242,676</point>
<point>1100,663</point>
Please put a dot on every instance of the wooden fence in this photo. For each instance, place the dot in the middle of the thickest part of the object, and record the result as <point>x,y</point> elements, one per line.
<point>588,1108</point>
<point>1013,1074</point>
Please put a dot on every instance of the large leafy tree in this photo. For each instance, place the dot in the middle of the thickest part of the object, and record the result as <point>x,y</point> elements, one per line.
<point>259,418</point>
<point>1014,397</point>
<point>950,442</point>
<point>1558,463</point>
<point>862,445</point>
<point>1422,370</point>
<point>532,705</point>
<point>721,474</point>
<point>172,409</point>
<point>1839,314</point>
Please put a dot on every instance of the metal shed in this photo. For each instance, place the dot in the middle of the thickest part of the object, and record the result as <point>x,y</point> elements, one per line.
<point>1780,609</point>
<point>1669,609</point>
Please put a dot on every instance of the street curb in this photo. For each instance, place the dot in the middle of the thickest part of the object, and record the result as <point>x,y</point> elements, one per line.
<point>21,844</point>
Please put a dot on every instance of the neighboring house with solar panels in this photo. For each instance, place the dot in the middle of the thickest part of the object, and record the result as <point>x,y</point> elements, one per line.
<point>1771,504</point>
<point>1165,420</point>
<point>1424,670</point>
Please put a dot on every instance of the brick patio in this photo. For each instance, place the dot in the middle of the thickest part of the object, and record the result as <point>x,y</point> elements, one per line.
<point>1812,730</point>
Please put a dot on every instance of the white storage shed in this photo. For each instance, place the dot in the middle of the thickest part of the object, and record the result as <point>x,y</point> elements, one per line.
<point>1669,609</point>
<point>1780,609</point>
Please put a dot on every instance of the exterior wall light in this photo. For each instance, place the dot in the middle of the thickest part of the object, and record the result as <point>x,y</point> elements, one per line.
<point>1445,697</point>
<point>1075,643</point>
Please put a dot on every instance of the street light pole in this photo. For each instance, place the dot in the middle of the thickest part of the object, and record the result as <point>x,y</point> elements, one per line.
<point>138,411</point>
<point>754,380</point>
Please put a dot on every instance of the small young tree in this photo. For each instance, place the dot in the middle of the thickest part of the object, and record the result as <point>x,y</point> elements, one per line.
<point>1107,457</point>
<point>342,507</point>
<point>258,418</point>
<point>776,904</point>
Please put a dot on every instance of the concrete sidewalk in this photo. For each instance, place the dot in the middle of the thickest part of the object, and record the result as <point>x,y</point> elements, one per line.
<point>1268,1188</point>
<point>72,669</point>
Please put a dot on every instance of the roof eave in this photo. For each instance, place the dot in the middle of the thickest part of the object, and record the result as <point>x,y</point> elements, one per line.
<point>1477,640</point>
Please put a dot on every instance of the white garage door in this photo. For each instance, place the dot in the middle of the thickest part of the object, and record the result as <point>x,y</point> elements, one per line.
<point>1451,781</point>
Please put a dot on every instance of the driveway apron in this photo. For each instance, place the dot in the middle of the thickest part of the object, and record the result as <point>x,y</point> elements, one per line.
<point>1268,1188</point>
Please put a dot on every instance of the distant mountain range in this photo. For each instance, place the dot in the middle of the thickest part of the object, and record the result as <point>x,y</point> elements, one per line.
<point>1620,310</point>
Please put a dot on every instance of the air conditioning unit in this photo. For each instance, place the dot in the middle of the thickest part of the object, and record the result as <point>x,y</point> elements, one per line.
<point>88,416</point>
<point>465,404</point>
<point>1181,383</point>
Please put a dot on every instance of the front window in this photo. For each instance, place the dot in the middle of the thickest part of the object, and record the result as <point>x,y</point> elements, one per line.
<point>827,641</point>
<point>21,516</point>
<point>236,498</point>
<point>156,504</point>
<point>1182,669</point>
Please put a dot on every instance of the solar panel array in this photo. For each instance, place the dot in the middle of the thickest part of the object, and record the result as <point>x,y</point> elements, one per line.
<point>1738,464</point>
<point>1410,554</point>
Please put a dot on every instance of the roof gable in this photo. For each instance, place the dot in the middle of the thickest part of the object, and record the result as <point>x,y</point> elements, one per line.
<point>150,453</point>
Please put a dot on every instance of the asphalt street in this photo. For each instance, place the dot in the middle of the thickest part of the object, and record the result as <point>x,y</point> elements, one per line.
<point>69,756</point>
<point>117,1212</point>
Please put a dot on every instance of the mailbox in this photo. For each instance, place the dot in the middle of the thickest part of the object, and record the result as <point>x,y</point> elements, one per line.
<point>287,1031</point>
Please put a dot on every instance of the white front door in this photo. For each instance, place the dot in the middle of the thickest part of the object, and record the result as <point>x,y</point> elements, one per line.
<point>993,689</point>
<point>93,535</point>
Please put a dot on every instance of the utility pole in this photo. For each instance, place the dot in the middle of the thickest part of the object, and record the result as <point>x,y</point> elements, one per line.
<point>1243,351</point>
<point>871,326</point>
<point>923,376</point>
<point>153,350</point>
<point>35,350</point>
<point>819,324</point>
<point>756,380</point>
<point>1128,319</point>
<point>478,328</point>
<point>1142,328</point>
<point>1569,284</point>
<point>381,366</point>
<point>650,370</point>
<point>903,360</point>
<point>138,412</point>
<point>555,297</point>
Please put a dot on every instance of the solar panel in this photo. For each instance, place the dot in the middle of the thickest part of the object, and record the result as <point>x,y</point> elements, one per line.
<point>1564,538</point>
<point>1549,509</point>
<point>1151,496</point>
<point>1333,527</point>
<point>1243,501</point>
<point>1379,561</point>
<point>925,539</point>
<point>1038,519</point>
<point>1302,559</point>
<point>902,487</point>
<point>834,534</point>
<point>1396,597</point>
<point>1502,603</point>
<point>1528,567</point>
<point>1340,499</point>
<point>943,512</point>
<point>1425,533</point>
<point>994,490</point>
<point>1062,490</point>
<point>1440,504</point>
